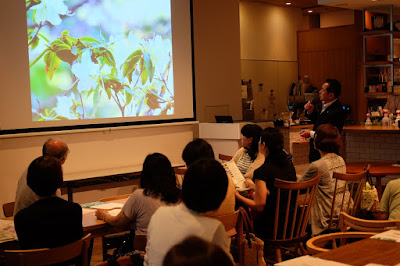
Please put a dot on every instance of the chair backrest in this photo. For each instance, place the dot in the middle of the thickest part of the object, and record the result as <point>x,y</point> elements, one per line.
<point>353,187</point>
<point>47,256</point>
<point>297,212</point>
<point>230,222</point>
<point>320,243</point>
<point>347,221</point>
<point>140,242</point>
<point>8,209</point>
<point>179,174</point>
<point>224,157</point>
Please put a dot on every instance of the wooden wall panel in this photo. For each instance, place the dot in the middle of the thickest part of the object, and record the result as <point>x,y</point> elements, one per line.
<point>332,53</point>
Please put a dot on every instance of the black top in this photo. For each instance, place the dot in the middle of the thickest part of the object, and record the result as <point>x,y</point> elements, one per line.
<point>334,115</point>
<point>280,167</point>
<point>48,223</point>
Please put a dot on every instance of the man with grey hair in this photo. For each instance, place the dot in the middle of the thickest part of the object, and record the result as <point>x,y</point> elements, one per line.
<point>25,196</point>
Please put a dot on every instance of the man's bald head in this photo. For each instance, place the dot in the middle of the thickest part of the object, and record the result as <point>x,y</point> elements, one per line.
<point>56,148</point>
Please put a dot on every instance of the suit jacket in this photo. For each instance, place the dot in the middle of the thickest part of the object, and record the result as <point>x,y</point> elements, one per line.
<point>333,115</point>
<point>48,223</point>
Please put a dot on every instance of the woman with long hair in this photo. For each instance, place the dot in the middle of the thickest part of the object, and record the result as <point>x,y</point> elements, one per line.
<point>277,165</point>
<point>247,158</point>
<point>328,143</point>
<point>158,188</point>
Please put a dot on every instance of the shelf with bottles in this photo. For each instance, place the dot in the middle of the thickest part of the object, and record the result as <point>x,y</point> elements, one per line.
<point>378,79</point>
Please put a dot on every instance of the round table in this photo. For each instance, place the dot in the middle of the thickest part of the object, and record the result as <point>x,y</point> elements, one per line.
<point>377,170</point>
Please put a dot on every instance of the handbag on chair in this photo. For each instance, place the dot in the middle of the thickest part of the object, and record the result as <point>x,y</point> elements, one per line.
<point>252,246</point>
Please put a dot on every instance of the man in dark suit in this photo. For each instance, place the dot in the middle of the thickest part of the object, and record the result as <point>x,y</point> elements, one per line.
<point>332,113</point>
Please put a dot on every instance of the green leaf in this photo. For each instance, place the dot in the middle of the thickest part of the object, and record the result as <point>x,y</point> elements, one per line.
<point>144,76</point>
<point>65,32</point>
<point>128,98</point>
<point>88,40</point>
<point>136,53</point>
<point>130,65</point>
<point>35,42</point>
<point>139,108</point>
<point>149,65</point>
<point>108,91</point>
<point>96,97</point>
<point>52,62</point>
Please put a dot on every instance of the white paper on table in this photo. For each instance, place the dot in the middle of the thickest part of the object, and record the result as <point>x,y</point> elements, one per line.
<point>237,177</point>
<point>390,235</point>
<point>7,231</point>
<point>109,206</point>
<point>310,261</point>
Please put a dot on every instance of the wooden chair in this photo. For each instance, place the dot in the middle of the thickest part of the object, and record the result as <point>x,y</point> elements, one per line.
<point>47,256</point>
<point>230,222</point>
<point>323,243</point>
<point>293,226</point>
<point>347,222</point>
<point>8,209</point>
<point>224,157</point>
<point>112,241</point>
<point>354,185</point>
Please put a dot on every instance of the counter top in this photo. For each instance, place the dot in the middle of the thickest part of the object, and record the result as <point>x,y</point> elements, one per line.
<point>371,128</point>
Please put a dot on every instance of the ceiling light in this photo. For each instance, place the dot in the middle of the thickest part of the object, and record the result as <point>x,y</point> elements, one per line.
<point>288,3</point>
<point>309,11</point>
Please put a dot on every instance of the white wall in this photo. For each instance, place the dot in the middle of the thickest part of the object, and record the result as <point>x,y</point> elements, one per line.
<point>93,153</point>
<point>217,59</point>
<point>269,51</point>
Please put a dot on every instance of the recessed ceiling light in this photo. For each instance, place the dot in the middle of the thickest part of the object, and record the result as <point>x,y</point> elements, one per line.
<point>309,11</point>
<point>288,3</point>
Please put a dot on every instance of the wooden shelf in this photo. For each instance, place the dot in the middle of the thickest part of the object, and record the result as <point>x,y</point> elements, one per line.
<point>377,63</point>
<point>396,63</point>
<point>376,32</point>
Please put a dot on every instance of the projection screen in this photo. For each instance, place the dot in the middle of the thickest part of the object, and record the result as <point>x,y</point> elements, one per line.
<point>69,64</point>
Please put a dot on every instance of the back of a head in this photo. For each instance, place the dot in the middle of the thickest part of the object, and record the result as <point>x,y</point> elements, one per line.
<point>194,251</point>
<point>45,176</point>
<point>197,149</point>
<point>204,186</point>
<point>273,139</point>
<point>55,148</point>
<point>328,139</point>
<point>158,178</point>
<point>334,87</point>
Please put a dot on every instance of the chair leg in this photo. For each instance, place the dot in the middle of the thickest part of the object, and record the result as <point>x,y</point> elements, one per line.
<point>104,248</point>
<point>278,254</point>
<point>303,250</point>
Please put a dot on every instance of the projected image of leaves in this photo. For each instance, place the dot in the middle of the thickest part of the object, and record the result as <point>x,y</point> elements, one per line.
<point>100,58</point>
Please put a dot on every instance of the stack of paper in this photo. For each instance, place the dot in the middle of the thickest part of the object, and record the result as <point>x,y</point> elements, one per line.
<point>103,205</point>
<point>390,235</point>
<point>233,171</point>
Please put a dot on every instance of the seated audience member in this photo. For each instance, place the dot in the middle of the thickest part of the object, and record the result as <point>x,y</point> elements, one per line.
<point>197,252</point>
<point>198,149</point>
<point>204,188</point>
<point>25,196</point>
<point>277,165</point>
<point>327,142</point>
<point>158,188</point>
<point>390,201</point>
<point>50,221</point>
<point>247,157</point>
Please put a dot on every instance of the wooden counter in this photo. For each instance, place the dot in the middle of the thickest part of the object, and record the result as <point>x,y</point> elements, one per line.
<point>371,128</point>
